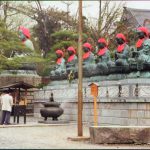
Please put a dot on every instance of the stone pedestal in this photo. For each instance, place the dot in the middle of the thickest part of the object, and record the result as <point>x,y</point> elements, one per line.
<point>120,135</point>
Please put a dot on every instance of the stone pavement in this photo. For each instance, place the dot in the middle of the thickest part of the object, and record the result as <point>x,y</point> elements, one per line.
<point>38,136</point>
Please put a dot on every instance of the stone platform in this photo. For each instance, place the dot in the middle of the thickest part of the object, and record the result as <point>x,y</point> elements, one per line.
<point>53,122</point>
<point>120,134</point>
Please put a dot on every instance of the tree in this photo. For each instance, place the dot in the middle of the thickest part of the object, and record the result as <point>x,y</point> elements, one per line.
<point>48,21</point>
<point>99,17</point>
<point>9,43</point>
<point>12,18</point>
<point>68,5</point>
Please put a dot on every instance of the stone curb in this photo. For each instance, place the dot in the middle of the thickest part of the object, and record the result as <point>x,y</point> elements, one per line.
<point>78,138</point>
<point>34,125</point>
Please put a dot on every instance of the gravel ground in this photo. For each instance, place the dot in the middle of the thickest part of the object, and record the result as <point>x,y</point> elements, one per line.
<point>50,137</point>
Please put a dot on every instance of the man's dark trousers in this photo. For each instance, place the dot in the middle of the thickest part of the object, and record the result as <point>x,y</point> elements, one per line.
<point>5,117</point>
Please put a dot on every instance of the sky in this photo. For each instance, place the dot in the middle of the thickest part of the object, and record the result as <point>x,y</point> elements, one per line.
<point>90,8</point>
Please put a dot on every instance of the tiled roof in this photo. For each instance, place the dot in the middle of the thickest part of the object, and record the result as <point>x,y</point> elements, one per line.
<point>139,14</point>
<point>20,84</point>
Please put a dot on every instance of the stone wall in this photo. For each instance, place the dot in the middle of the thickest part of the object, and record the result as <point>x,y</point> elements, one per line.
<point>128,105</point>
<point>111,113</point>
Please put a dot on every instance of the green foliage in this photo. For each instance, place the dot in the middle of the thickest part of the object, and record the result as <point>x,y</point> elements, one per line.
<point>76,37</point>
<point>65,38</point>
<point>66,35</point>
<point>63,45</point>
<point>63,34</point>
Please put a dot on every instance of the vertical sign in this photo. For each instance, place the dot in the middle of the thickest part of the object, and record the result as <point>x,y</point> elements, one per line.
<point>94,93</point>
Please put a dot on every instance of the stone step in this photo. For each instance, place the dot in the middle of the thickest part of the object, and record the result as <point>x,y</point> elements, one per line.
<point>120,134</point>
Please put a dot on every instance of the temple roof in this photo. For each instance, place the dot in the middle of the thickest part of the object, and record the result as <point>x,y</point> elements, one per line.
<point>20,84</point>
<point>135,17</point>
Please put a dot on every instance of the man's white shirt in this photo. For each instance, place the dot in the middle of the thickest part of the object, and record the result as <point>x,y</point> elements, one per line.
<point>6,102</point>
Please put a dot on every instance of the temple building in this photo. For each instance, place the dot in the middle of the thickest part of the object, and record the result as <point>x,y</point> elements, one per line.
<point>133,18</point>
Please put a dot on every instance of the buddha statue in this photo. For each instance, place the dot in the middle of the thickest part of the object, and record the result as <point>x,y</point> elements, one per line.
<point>122,51</point>
<point>103,57</point>
<point>72,60</point>
<point>24,35</point>
<point>60,67</point>
<point>88,60</point>
<point>88,56</point>
<point>142,54</point>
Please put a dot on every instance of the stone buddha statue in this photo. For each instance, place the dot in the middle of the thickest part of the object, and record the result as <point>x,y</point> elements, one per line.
<point>142,55</point>
<point>103,57</point>
<point>72,60</point>
<point>88,60</point>
<point>24,35</point>
<point>60,67</point>
<point>122,51</point>
<point>88,56</point>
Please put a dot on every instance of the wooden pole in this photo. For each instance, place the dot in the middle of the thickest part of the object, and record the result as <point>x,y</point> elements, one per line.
<point>15,95</point>
<point>99,18</point>
<point>19,96</point>
<point>25,97</point>
<point>80,94</point>
<point>95,112</point>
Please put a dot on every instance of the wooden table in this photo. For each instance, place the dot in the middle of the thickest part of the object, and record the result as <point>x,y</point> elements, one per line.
<point>17,111</point>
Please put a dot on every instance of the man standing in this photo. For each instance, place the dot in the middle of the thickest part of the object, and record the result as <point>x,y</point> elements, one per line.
<point>6,102</point>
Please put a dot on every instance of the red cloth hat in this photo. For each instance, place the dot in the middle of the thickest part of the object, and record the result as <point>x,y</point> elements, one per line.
<point>143,29</point>
<point>59,52</point>
<point>120,35</point>
<point>25,31</point>
<point>71,49</point>
<point>88,45</point>
<point>102,40</point>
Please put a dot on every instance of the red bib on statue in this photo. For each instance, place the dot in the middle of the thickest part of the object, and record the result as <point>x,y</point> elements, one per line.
<point>120,48</point>
<point>59,60</point>
<point>86,55</point>
<point>71,58</point>
<point>101,52</point>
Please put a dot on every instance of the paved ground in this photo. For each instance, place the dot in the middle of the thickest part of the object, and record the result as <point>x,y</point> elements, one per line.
<point>33,135</point>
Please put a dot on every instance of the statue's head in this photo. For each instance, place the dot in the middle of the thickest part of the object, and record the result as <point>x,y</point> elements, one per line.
<point>120,38</point>
<point>87,47</point>
<point>59,53</point>
<point>147,25</point>
<point>102,43</point>
<point>71,51</point>
<point>142,32</point>
<point>24,33</point>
